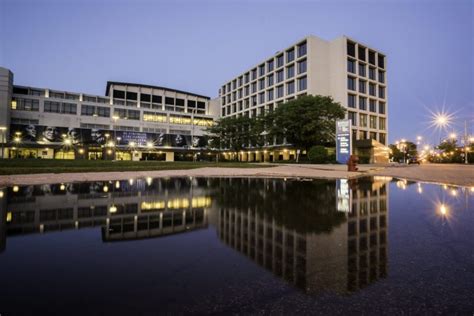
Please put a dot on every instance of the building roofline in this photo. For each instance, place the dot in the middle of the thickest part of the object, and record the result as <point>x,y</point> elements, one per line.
<point>109,83</point>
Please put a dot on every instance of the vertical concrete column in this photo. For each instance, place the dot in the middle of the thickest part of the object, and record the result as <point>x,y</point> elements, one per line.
<point>251,156</point>
<point>169,156</point>
<point>286,155</point>
<point>258,156</point>
<point>266,156</point>
<point>244,156</point>
<point>276,155</point>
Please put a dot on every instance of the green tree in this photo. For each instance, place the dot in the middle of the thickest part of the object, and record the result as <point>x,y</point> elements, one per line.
<point>306,121</point>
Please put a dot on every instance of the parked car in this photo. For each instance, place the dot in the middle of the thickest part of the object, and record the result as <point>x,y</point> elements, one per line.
<point>413,160</point>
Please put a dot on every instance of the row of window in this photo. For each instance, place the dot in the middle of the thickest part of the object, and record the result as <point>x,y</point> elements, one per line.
<point>162,118</point>
<point>301,82</point>
<point>60,107</point>
<point>362,71</point>
<point>351,102</point>
<point>240,106</point>
<point>367,120</point>
<point>92,110</point>
<point>267,67</point>
<point>277,93</point>
<point>362,87</point>
<point>365,54</point>
<point>146,99</point>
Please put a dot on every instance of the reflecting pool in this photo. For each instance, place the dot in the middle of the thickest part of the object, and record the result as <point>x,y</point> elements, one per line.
<point>237,245</point>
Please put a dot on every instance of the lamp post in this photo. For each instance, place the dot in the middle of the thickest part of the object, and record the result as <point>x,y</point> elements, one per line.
<point>193,111</point>
<point>17,140</point>
<point>3,130</point>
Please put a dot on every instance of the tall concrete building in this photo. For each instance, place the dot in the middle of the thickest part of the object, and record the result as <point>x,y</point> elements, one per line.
<point>352,73</point>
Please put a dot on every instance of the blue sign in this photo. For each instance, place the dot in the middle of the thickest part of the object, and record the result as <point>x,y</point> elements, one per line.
<point>343,141</point>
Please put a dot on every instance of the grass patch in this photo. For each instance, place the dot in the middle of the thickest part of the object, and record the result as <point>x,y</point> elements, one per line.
<point>27,166</point>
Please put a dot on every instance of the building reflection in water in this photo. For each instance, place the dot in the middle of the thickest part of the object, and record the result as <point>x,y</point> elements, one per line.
<point>305,233</point>
<point>130,209</point>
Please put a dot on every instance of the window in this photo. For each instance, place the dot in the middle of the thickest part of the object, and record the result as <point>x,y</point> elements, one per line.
<point>362,86</point>
<point>382,123</point>
<point>270,95</point>
<point>145,97</point>
<point>362,135</point>
<point>351,82</point>
<point>280,76</point>
<point>192,103</point>
<point>280,91</point>
<point>290,87</point>
<point>381,60</point>
<point>363,103</point>
<point>133,115</point>
<point>270,65</point>
<point>361,52</point>
<point>351,101</point>
<point>254,100</point>
<point>52,107</point>
<point>372,73</point>
<point>362,71</point>
<point>382,92</point>
<point>372,105</point>
<point>381,107</point>
<point>201,105</point>
<point>280,61</point>
<point>302,84</point>
<point>254,87</point>
<point>254,73</point>
<point>239,94</point>
<point>180,102</point>
<point>351,49</point>
<point>169,101</point>
<point>290,55</point>
<point>131,96</point>
<point>154,117</point>
<point>261,70</point>
<point>247,90</point>
<point>373,122</point>
<point>270,80</point>
<point>119,94</point>
<point>240,81</point>
<point>261,84</point>
<point>373,135</point>
<point>58,107</point>
<point>25,104</point>
<point>156,99</point>
<point>103,112</point>
<point>261,98</point>
<point>87,110</point>
<point>351,66</point>
<point>246,78</point>
<point>302,49</point>
<point>381,76</point>
<point>382,138</point>
<point>290,72</point>
<point>371,89</point>
<point>353,117</point>
<point>372,57</point>
<point>302,66</point>
<point>363,120</point>
<point>234,84</point>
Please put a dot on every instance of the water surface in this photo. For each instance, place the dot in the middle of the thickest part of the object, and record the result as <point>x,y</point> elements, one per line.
<point>237,245</point>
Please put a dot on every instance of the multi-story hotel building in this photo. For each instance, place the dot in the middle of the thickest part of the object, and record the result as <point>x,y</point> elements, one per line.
<point>352,73</point>
<point>132,121</point>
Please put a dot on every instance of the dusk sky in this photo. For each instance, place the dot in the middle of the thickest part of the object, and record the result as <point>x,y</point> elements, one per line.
<point>198,45</point>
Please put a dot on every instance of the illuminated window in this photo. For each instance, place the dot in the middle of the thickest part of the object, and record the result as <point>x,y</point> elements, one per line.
<point>154,117</point>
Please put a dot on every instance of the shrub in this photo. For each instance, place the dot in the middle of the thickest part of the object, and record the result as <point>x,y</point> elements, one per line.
<point>318,154</point>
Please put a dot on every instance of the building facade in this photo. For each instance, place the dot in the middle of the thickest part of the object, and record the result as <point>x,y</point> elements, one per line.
<point>130,122</point>
<point>352,73</point>
<point>141,122</point>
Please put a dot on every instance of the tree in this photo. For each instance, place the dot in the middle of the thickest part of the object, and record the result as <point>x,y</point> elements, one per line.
<point>306,121</point>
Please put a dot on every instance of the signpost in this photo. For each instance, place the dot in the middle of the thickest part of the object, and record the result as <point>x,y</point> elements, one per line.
<point>343,141</point>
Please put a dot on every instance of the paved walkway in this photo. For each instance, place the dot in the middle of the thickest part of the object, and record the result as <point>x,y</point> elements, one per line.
<point>446,174</point>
